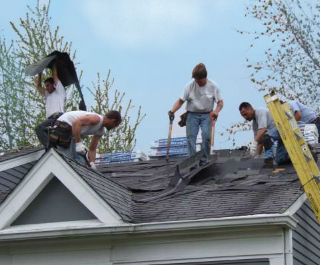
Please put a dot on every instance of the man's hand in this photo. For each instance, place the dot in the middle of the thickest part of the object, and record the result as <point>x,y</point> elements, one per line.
<point>254,149</point>
<point>81,148</point>
<point>93,165</point>
<point>214,116</point>
<point>171,115</point>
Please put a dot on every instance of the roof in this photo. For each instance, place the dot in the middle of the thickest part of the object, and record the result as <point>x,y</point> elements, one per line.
<point>232,184</point>
<point>15,153</point>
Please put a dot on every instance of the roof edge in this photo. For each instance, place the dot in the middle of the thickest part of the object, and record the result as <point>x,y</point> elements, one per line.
<point>296,205</point>
<point>23,159</point>
<point>93,229</point>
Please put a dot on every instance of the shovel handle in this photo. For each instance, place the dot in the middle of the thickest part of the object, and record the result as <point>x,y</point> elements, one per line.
<point>169,139</point>
<point>212,137</point>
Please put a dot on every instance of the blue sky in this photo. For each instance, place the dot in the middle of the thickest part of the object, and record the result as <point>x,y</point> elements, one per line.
<point>151,47</point>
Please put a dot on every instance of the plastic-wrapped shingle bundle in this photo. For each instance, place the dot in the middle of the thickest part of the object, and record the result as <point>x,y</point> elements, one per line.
<point>120,157</point>
<point>178,148</point>
<point>310,133</point>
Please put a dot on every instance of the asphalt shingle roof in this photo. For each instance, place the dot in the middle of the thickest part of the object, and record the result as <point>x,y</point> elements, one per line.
<point>18,153</point>
<point>10,178</point>
<point>231,185</point>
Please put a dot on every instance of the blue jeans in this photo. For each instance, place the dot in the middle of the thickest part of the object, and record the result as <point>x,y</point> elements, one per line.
<point>194,122</point>
<point>282,156</point>
<point>71,152</point>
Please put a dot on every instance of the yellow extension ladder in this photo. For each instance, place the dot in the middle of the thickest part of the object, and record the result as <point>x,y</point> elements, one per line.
<point>298,150</point>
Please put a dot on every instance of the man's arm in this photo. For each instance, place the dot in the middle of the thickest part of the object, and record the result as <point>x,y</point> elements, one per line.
<point>177,105</point>
<point>39,87</point>
<point>55,74</point>
<point>214,114</point>
<point>259,135</point>
<point>93,147</point>
<point>258,138</point>
<point>83,121</point>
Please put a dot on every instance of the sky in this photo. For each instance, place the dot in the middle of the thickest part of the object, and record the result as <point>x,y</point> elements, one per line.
<point>151,48</point>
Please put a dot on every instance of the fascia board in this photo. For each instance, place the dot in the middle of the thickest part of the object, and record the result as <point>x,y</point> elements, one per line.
<point>50,165</point>
<point>91,229</point>
<point>296,205</point>
<point>21,160</point>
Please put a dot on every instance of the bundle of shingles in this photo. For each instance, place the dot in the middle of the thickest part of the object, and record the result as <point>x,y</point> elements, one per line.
<point>178,147</point>
<point>310,133</point>
<point>120,157</point>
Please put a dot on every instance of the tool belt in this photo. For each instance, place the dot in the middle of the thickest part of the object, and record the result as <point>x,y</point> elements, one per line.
<point>61,134</point>
<point>183,120</point>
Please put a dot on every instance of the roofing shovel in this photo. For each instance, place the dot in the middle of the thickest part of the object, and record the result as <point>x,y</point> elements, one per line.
<point>212,137</point>
<point>171,118</point>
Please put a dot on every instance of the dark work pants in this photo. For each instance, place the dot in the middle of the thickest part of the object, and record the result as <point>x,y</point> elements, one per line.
<point>42,130</point>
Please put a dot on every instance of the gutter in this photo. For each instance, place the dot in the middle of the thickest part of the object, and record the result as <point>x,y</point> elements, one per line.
<point>94,228</point>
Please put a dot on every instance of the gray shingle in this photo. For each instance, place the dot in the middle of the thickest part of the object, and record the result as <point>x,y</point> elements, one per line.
<point>232,186</point>
<point>18,153</point>
<point>10,178</point>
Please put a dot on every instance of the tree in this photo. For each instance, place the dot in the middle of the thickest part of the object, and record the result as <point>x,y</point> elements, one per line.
<point>291,66</point>
<point>14,110</point>
<point>122,137</point>
<point>21,108</point>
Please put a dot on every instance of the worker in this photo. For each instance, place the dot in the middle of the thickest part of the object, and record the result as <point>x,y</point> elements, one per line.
<point>200,94</point>
<point>262,123</point>
<point>304,114</point>
<point>72,126</point>
<point>54,95</point>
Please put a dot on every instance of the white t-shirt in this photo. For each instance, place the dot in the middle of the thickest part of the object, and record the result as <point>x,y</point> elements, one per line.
<point>263,120</point>
<point>70,117</point>
<point>201,99</point>
<point>55,100</point>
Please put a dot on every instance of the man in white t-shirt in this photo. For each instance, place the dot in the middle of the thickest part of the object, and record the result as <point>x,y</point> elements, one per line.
<point>201,94</point>
<point>72,126</point>
<point>54,95</point>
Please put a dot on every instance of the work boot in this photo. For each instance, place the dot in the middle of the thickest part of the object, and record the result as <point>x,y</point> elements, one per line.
<point>268,162</point>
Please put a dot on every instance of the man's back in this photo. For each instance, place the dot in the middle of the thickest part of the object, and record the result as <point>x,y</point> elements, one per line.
<point>307,114</point>
<point>263,119</point>
<point>72,116</point>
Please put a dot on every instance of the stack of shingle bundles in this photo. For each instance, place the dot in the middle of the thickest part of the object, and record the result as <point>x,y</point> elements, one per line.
<point>120,157</point>
<point>310,133</point>
<point>178,148</point>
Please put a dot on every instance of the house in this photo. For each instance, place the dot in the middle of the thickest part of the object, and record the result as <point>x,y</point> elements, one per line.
<point>232,211</point>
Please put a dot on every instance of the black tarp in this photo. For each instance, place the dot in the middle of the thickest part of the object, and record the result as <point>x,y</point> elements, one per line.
<point>65,69</point>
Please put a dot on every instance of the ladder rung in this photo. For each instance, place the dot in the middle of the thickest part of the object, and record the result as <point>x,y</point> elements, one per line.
<point>288,114</point>
<point>298,135</point>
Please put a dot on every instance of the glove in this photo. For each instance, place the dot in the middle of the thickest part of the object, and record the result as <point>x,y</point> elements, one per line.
<point>81,148</point>
<point>93,165</point>
<point>253,148</point>
<point>171,115</point>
